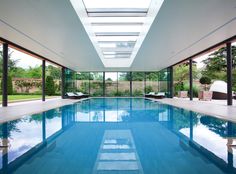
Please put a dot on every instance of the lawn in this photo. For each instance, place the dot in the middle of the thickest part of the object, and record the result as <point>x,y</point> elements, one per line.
<point>17,98</point>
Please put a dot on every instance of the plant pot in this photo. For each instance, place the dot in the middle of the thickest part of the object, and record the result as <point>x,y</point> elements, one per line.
<point>183,94</point>
<point>205,95</point>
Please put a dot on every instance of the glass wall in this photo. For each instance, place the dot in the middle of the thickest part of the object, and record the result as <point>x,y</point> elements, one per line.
<point>82,82</point>
<point>123,84</point>
<point>234,66</point>
<point>138,84</point>
<point>96,84</point>
<point>70,79</point>
<point>53,80</point>
<point>181,79</point>
<point>1,67</point>
<point>118,83</point>
<point>151,84</point>
<point>24,76</point>
<point>198,68</point>
<point>213,72</point>
<point>111,85</point>
<point>163,81</point>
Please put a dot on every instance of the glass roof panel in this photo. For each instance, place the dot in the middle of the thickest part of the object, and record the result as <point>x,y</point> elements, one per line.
<point>122,49</point>
<point>116,33</point>
<point>116,38</point>
<point>117,19</point>
<point>116,55</point>
<point>117,24</point>
<point>117,14</point>
<point>119,28</point>
<point>116,3</point>
<point>116,52</point>
<point>117,45</point>
<point>117,42</point>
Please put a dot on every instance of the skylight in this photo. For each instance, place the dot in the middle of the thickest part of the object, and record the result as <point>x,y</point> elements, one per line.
<point>117,38</point>
<point>122,4</point>
<point>117,28</point>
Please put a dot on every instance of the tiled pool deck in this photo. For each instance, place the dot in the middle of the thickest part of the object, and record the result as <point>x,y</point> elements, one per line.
<point>218,109</point>
<point>214,108</point>
<point>17,110</point>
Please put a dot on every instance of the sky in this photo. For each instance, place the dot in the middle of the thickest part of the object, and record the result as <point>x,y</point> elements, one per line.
<point>25,60</point>
<point>199,60</point>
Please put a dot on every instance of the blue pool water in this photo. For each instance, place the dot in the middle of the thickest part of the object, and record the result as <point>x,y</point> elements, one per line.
<point>118,135</point>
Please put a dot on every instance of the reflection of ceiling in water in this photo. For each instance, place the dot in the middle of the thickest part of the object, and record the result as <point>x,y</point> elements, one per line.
<point>117,153</point>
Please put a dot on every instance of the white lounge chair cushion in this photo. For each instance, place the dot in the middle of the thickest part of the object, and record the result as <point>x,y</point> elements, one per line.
<point>70,94</point>
<point>79,93</point>
<point>219,86</point>
<point>160,94</point>
<point>151,93</point>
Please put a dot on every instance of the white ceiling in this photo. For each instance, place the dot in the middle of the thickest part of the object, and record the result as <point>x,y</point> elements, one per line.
<point>53,30</point>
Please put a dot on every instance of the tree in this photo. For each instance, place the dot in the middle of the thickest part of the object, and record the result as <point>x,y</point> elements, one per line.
<point>148,89</point>
<point>53,71</point>
<point>84,76</point>
<point>11,63</point>
<point>181,75</point>
<point>124,76</point>
<point>152,76</point>
<point>216,64</point>
<point>34,72</point>
<point>18,72</point>
<point>97,76</point>
<point>204,80</point>
<point>137,76</point>
<point>49,86</point>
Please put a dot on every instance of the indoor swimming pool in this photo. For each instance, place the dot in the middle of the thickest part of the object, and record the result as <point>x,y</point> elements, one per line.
<point>118,135</point>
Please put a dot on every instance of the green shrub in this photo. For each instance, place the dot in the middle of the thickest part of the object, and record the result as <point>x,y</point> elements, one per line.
<point>234,79</point>
<point>178,87</point>
<point>97,92</point>
<point>204,80</point>
<point>49,86</point>
<point>126,93</point>
<point>117,93</point>
<point>195,89</point>
<point>37,93</point>
<point>84,87</point>
<point>148,89</point>
<point>137,93</point>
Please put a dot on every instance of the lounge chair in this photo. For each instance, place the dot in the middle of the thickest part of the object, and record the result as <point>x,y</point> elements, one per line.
<point>72,95</point>
<point>150,94</point>
<point>82,95</point>
<point>160,95</point>
<point>219,90</point>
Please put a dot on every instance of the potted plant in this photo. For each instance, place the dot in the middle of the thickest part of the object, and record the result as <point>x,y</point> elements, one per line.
<point>204,94</point>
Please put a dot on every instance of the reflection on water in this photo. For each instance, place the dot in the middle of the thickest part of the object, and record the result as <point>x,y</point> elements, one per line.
<point>23,136</point>
<point>117,153</point>
<point>119,110</point>
<point>118,126</point>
